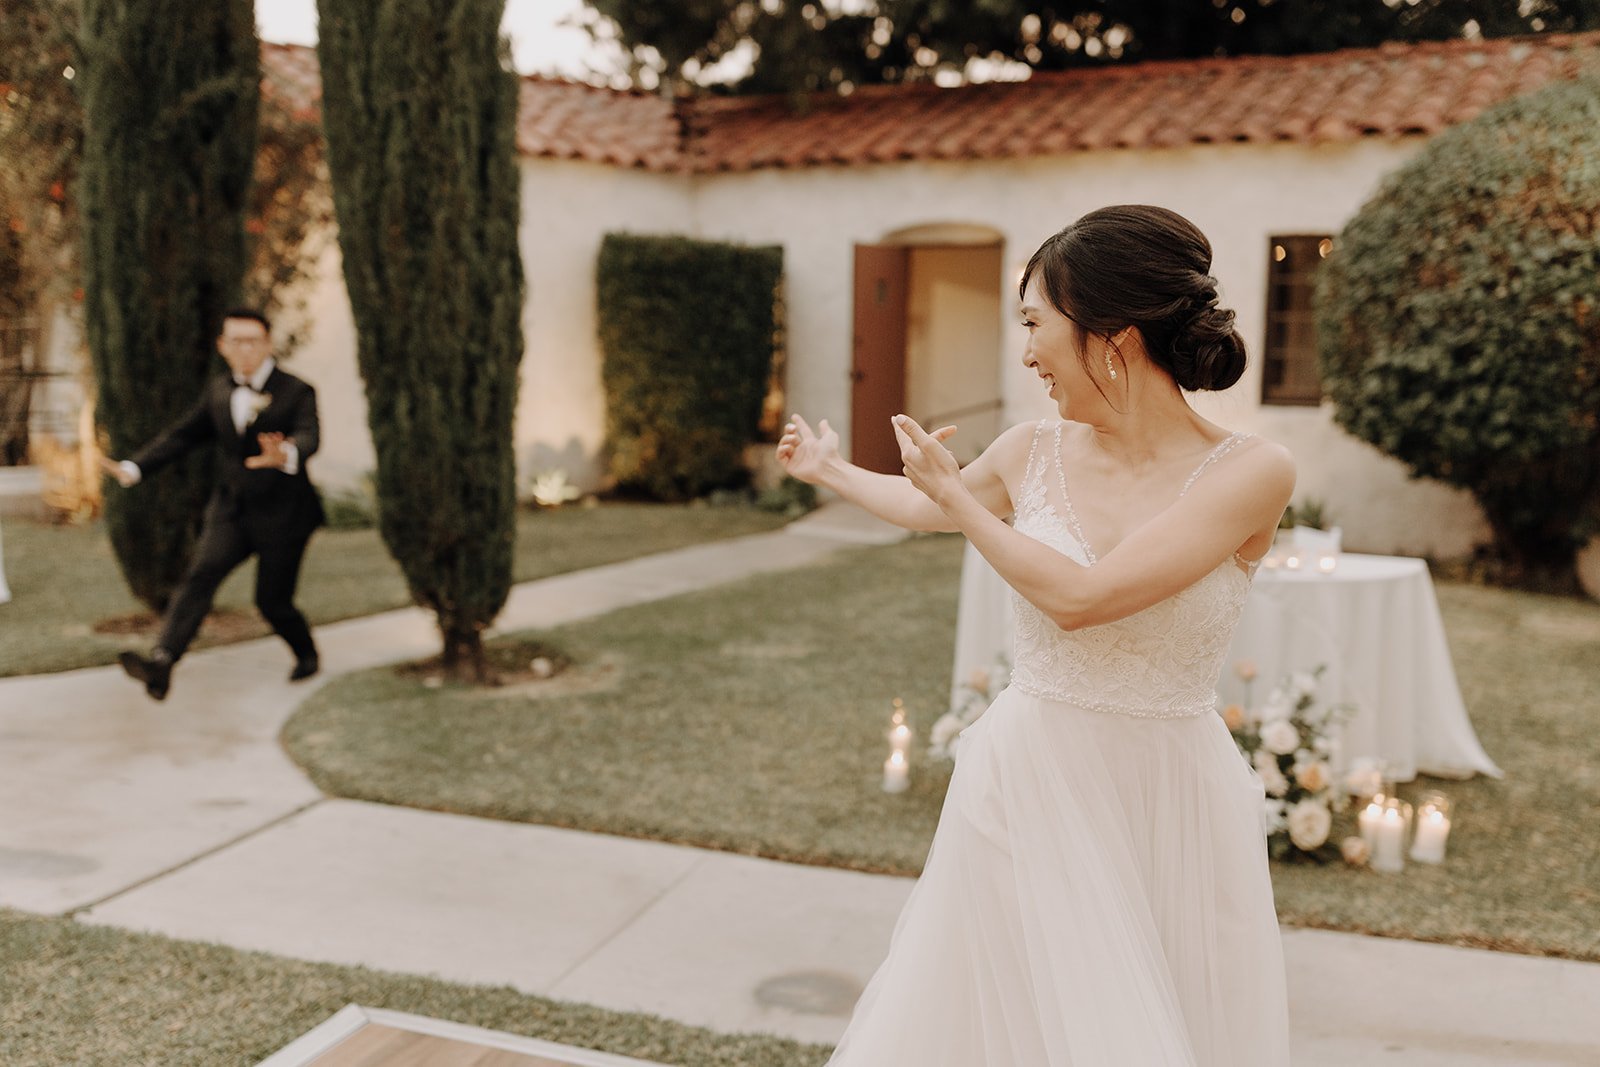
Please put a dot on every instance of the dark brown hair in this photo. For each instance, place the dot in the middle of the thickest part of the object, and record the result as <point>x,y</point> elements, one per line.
<point>1137,265</point>
<point>247,313</point>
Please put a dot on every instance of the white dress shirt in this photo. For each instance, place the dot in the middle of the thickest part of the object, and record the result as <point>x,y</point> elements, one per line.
<point>242,406</point>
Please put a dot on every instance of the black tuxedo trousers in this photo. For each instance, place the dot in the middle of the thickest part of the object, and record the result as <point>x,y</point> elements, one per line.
<point>225,542</point>
<point>263,513</point>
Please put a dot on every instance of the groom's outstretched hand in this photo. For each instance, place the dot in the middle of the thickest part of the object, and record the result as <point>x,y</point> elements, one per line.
<point>926,462</point>
<point>272,457</point>
<point>116,470</point>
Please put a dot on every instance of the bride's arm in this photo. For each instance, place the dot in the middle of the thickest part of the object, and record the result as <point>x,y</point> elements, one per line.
<point>1187,541</point>
<point>815,459</point>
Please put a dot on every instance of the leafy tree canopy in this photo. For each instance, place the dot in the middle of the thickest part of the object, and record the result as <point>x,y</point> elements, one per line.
<point>752,46</point>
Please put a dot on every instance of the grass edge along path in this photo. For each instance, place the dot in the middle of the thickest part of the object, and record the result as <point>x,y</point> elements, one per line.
<point>96,995</point>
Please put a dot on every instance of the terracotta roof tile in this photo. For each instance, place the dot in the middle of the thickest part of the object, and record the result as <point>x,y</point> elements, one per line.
<point>1390,91</point>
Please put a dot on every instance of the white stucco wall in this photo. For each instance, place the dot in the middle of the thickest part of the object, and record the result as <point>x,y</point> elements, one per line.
<point>1240,195</point>
<point>327,359</point>
<point>567,207</point>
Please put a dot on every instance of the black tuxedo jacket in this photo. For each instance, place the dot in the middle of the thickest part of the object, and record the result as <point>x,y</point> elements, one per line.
<point>267,501</point>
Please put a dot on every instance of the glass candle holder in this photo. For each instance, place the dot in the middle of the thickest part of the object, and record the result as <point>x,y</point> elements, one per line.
<point>1389,835</point>
<point>1433,828</point>
<point>1327,562</point>
<point>896,773</point>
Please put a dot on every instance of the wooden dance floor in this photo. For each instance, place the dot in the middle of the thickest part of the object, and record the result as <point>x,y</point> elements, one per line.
<point>371,1037</point>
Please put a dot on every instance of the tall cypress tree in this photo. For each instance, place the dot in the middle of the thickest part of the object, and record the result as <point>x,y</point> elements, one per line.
<point>170,94</point>
<point>419,106</point>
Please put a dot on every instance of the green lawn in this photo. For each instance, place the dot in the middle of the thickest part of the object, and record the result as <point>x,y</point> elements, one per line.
<point>64,579</point>
<point>750,718</point>
<point>100,997</point>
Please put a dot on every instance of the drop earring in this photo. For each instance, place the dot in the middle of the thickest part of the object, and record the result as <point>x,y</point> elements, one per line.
<point>1109,368</point>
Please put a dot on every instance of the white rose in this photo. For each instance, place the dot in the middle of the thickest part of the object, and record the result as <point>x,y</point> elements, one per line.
<point>1309,823</point>
<point>1278,706</point>
<point>1280,737</point>
<point>1303,683</point>
<point>1272,819</point>
<point>1272,779</point>
<point>944,733</point>
<point>1356,851</point>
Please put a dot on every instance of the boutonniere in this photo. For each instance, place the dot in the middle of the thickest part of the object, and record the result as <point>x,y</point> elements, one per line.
<point>259,403</point>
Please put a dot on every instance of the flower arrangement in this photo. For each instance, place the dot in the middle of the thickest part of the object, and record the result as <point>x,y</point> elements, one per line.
<point>1291,741</point>
<point>973,696</point>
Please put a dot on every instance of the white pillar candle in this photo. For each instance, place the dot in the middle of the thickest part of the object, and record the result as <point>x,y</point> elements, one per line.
<point>1433,829</point>
<point>1388,851</point>
<point>1370,815</point>
<point>896,772</point>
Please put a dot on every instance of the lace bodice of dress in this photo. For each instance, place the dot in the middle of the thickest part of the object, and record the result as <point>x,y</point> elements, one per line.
<point>1162,662</point>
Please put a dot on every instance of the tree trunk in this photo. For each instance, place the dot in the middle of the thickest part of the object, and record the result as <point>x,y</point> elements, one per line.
<point>463,658</point>
<point>1527,560</point>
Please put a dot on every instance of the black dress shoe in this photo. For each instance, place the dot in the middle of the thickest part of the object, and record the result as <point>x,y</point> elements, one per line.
<point>304,668</point>
<point>155,672</point>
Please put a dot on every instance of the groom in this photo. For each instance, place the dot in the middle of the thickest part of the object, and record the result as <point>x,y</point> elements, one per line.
<point>262,422</point>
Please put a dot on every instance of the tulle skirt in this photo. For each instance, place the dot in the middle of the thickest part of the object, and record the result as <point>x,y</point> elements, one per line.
<point>1097,895</point>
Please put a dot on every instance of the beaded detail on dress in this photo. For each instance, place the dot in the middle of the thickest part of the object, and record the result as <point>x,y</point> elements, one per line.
<point>1160,663</point>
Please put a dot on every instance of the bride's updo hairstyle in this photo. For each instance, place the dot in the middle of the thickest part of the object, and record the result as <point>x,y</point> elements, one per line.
<point>1137,265</point>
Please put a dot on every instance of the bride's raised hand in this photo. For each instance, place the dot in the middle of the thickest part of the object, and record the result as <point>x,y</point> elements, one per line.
<point>805,454</point>
<point>926,462</point>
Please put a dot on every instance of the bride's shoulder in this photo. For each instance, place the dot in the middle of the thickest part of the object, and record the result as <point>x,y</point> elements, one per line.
<point>1008,456</point>
<point>1265,462</point>
<point>1265,450</point>
<point>1019,439</point>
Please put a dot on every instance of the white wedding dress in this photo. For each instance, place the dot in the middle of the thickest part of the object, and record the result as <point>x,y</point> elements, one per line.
<point>1097,893</point>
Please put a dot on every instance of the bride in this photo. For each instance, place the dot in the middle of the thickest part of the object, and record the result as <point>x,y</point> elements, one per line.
<point>1097,893</point>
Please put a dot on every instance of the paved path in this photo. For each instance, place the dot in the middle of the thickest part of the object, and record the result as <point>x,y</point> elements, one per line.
<point>186,818</point>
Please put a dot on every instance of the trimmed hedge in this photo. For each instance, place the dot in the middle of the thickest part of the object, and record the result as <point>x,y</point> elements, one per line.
<point>1459,321</point>
<point>687,333</point>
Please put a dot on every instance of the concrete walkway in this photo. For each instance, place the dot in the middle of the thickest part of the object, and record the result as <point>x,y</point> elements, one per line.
<point>187,819</point>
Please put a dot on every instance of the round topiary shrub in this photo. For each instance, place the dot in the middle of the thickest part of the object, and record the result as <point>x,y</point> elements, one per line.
<point>1458,317</point>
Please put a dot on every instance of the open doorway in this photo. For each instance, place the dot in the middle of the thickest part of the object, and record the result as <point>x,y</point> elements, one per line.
<point>927,339</point>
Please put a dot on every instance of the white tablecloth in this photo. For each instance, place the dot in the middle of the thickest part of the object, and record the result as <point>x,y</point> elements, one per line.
<point>1374,622</point>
